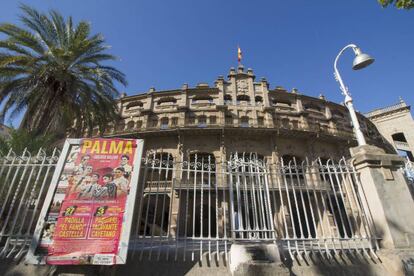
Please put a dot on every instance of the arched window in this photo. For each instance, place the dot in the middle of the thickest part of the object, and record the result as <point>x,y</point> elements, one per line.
<point>202,99</point>
<point>139,124</point>
<point>243,99</point>
<point>244,121</point>
<point>130,125</point>
<point>167,100</point>
<point>134,104</point>
<point>164,123</point>
<point>156,202</point>
<point>258,100</point>
<point>227,99</point>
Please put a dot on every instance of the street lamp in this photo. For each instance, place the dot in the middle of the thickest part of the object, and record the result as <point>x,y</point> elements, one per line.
<point>361,61</point>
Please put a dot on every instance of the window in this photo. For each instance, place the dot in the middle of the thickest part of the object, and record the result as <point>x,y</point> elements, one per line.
<point>166,101</point>
<point>134,104</point>
<point>202,99</point>
<point>130,125</point>
<point>227,99</point>
<point>260,121</point>
<point>258,100</point>
<point>243,99</point>
<point>190,119</point>
<point>213,120</point>
<point>164,123</point>
<point>202,121</point>
<point>139,125</point>
<point>244,121</point>
<point>313,107</point>
<point>400,137</point>
<point>153,122</point>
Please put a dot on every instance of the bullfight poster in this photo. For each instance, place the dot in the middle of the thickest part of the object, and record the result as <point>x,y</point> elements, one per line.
<point>87,214</point>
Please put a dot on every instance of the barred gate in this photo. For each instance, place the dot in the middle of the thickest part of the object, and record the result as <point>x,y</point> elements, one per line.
<point>24,182</point>
<point>198,206</point>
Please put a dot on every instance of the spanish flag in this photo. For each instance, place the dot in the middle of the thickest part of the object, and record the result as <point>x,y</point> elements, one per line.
<point>239,54</point>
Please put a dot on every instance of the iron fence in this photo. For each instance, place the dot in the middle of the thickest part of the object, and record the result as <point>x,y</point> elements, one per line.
<point>24,182</point>
<point>200,207</point>
<point>195,206</point>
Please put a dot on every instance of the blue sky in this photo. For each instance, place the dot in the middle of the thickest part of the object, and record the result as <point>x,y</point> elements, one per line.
<point>292,43</point>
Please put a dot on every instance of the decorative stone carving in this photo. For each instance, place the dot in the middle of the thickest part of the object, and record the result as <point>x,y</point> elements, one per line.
<point>242,86</point>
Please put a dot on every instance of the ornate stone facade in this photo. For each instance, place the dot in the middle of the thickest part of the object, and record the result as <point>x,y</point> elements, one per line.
<point>239,115</point>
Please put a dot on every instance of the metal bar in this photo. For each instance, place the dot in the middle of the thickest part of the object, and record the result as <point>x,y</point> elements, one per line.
<point>201,208</point>
<point>52,162</point>
<point>194,202</point>
<point>148,195</point>
<point>141,203</point>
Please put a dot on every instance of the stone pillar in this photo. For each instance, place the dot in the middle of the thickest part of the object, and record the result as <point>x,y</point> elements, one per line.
<point>387,196</point>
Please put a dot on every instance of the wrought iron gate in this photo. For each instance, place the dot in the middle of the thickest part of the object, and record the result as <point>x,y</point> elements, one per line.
<point>192,206</point>
<point>251,215</point>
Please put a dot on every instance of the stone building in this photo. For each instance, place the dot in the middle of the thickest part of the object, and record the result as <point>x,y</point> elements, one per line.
<point>242,161</point>
<point>396,125</point>
<point>242,179</point>
<point>239,114</point>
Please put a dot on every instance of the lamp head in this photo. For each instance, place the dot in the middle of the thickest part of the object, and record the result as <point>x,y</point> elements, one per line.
<point>361,60</point>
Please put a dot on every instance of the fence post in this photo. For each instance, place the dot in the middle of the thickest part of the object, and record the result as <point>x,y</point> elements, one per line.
<point>387,196</point>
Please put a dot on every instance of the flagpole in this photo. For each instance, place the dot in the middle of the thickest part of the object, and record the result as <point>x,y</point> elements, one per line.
<point>239,55</point>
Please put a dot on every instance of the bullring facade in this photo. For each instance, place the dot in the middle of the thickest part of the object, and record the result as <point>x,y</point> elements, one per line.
<point>239,115</point>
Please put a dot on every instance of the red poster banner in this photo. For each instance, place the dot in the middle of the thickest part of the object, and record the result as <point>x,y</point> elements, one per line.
<point>85,219</point>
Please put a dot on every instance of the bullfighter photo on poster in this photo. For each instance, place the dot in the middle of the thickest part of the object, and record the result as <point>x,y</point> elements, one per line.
<point>87,214</point>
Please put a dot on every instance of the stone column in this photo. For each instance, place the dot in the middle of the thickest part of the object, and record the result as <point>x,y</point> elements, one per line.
<point>387,196</point>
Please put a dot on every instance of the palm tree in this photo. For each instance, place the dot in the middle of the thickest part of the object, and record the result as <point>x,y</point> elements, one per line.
<point>20,139</point>
<point>53,70</point>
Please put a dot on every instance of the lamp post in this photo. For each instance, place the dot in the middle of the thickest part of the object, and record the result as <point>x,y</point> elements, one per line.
<point>361,61</point>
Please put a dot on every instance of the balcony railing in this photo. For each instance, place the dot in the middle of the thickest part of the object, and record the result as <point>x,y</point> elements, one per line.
<point>385,109</point>
<point>287,125</point>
